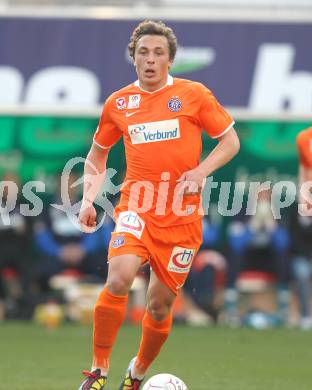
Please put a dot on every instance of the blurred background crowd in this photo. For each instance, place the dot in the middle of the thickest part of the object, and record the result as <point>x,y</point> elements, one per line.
<point>58,63</point>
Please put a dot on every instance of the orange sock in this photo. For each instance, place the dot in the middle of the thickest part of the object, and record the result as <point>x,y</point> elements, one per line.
<point>154,334</point>
<point>109,314</point>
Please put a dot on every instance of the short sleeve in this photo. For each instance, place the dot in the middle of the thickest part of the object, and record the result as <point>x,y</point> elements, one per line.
<point>212,116</point>
<point>107,133</point>
<point>303,146</point>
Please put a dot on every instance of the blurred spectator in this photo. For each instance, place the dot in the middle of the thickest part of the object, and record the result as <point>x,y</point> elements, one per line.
<point>15,248</point>
<point>301,251</point>
<point>257,242</point>
<point>63,246</point>
<point>208,268</point>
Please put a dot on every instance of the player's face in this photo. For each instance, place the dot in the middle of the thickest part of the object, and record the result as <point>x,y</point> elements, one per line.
<point>152,61</point>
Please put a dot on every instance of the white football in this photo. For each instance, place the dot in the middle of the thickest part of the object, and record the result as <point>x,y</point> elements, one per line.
<point>164,382</point>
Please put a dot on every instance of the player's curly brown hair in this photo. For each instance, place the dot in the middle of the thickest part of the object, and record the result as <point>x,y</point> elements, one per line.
<point>150,27</point>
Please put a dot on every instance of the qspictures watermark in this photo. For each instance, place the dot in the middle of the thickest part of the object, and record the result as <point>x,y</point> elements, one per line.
<point>146,196</point>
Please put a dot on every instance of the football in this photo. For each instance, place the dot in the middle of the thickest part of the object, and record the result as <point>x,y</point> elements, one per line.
<point>164,382</point>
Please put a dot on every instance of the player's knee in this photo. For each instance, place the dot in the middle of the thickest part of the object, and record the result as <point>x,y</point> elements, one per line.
<point>118,285</point>
<point>158,309</point>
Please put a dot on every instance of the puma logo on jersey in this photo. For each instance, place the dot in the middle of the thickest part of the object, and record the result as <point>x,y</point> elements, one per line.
<point>154,131</point>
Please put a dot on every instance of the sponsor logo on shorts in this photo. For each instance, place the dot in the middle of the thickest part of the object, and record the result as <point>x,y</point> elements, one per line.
<point>134,101</point>
<point>181,259</point>
<point>118,241</point>
<point>130,222</point>
<point>174,104</point>
<point>154,131</point>
<point>121,103</point>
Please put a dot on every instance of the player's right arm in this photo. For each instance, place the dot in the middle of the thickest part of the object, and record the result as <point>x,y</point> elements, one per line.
<point>106,135</point>
<point>94,172</point>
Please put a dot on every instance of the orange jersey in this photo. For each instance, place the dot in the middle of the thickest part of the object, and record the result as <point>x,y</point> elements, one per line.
<point>162,137</point>
<point>304,144</point>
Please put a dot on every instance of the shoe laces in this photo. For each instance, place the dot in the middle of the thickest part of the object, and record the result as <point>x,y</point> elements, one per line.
<point>132,383</point>
<point>94,374</point>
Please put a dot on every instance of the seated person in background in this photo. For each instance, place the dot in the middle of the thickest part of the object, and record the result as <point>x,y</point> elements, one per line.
<point>62,245</point>
<point>257,242</point>
<point>208,267</point>
<point>15,249</point>
<point>301,254</point>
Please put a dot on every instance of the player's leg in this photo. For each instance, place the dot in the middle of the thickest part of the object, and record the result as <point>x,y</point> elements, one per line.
<point>156,326</point>
<point>109,314</point>
<point>171,252</point>
<point>110,308</point>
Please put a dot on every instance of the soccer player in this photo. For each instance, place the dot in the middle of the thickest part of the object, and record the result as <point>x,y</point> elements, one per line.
<point>301,233</point>
<point>158,218</point>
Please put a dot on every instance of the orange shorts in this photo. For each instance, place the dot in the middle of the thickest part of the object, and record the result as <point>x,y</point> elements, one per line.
<point>169,250</point>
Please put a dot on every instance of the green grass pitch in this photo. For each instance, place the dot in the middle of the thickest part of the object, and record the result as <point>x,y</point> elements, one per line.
<point>33,358</point>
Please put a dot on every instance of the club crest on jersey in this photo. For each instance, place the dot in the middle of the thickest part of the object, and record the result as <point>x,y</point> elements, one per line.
<point>174,104</point>
<point>181,259</point>
<point>134,101</point>
<point>130,222</point>
<point>121,103</point>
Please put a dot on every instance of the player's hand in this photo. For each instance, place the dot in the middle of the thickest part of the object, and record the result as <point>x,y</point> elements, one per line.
<point>87,217</point>
<point>191,182</point>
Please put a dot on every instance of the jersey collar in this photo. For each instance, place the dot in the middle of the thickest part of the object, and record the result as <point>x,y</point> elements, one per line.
<point>169,82</point>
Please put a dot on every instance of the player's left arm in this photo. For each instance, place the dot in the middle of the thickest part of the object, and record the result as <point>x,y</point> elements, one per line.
<point>227,147</point>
